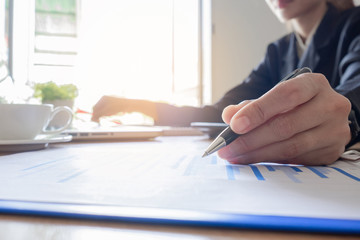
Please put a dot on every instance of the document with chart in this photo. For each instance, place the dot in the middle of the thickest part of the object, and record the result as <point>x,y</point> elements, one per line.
<point>167,180</point>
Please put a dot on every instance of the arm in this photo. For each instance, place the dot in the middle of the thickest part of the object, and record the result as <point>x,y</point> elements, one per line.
<point>350,84</point>
<point>165,114</point>
<point>260,80</point>
<point>109,105</point>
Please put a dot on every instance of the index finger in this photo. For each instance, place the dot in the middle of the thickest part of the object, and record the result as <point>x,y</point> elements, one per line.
<point>282,98</point>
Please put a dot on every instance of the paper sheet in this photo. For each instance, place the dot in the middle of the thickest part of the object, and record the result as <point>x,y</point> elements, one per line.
<point>170,173</point>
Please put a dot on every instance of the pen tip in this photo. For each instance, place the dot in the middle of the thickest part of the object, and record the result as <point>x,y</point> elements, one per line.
<point>205,154</point>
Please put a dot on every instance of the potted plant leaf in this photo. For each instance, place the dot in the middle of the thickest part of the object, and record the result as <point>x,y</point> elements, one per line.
<point>57,95</point>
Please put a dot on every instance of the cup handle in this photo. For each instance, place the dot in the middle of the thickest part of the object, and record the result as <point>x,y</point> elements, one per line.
<point>56,111</point>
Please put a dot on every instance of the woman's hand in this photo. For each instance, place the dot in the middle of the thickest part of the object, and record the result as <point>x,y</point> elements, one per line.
<point>109,105</point>
<point>300,121</point>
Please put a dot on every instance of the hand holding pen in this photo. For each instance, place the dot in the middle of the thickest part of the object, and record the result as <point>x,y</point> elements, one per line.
<point>301,121</point>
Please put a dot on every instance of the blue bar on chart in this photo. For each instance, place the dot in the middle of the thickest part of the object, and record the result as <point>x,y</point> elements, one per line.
<point>191,168</point>
<point>346,174</point>
<point>257,173</point>
<point>214,160</point>
<point>270,168</point>
<point>290,173</point>
<point>296,169</point>
<point>230,172</point>
<point>317,172</point>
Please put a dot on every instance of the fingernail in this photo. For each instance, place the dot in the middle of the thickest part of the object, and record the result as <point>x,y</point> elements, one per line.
<point>240,124</point>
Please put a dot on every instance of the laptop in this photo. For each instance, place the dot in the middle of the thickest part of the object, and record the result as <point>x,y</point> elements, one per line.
<point>126,132</point>
<point>122,132</point>
<point>135,132</point>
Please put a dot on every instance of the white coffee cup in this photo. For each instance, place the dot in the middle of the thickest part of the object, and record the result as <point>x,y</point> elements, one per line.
<point>26,121</point>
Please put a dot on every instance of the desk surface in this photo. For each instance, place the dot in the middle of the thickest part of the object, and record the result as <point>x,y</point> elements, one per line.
<point>27,227</point>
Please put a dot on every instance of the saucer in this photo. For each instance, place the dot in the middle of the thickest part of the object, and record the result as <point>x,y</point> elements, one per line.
<point>40,142</point>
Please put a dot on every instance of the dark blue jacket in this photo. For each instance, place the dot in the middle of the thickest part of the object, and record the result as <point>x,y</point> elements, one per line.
<point>334,52</point>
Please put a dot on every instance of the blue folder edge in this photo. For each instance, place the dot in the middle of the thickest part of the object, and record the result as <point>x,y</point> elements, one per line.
<point>180,217</point>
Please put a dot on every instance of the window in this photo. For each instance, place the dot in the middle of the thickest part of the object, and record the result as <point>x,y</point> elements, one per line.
<point>5,51</point>
<point>55,43</point>
<point>4,36</point>
<point>135,49</point>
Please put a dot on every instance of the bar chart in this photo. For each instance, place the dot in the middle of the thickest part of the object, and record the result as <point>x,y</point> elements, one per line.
<point>268,171</point>
<point>103,165</point>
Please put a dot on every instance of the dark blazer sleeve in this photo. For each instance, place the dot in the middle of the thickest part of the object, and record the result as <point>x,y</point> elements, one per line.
<point>349,67</point>
<point>350,76</point>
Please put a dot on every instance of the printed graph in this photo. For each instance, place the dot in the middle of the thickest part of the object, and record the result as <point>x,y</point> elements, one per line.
<point>79,166</point>
<point>266,172</point>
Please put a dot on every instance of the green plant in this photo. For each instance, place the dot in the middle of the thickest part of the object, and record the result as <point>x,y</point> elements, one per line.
<point>51,91</point>
<point>3,100</point>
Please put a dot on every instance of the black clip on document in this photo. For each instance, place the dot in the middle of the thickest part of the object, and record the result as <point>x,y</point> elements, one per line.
<point>227,136</point>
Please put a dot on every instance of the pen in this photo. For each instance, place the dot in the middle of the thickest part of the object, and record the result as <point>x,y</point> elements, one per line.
<point>227,135</point>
